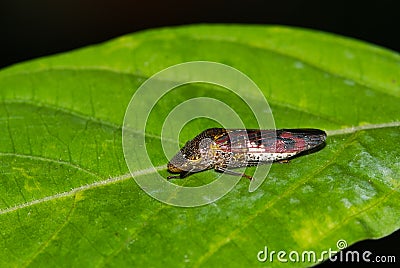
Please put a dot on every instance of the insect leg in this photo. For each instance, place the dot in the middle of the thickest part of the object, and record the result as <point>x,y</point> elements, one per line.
<point>284,161</point>
<point>174,177</point>
<point>181,175</point>
<point>230,172</point>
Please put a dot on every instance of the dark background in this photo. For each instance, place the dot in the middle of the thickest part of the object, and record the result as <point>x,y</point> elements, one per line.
<point>34,28</point>
<point>31,29</point>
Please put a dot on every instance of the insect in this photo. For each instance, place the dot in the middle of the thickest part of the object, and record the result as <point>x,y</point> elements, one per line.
<point>225,149</point>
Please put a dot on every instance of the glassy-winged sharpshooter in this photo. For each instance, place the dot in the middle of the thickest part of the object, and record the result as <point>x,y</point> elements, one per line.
<point>225,149</point>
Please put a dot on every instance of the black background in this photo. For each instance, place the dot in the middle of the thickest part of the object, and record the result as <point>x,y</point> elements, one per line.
<point>34,28</point>
<point>31,29</point>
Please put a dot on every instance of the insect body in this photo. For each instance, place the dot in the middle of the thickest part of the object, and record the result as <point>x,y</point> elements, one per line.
<point>224,149</point>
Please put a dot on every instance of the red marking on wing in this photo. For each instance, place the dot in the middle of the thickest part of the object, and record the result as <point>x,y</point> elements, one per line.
<point>270,141</point>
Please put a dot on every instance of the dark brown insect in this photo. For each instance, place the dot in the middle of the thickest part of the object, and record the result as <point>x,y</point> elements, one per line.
<point>224,149</point>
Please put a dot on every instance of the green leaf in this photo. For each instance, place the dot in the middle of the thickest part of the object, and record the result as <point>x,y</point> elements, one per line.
<point>67,198</point>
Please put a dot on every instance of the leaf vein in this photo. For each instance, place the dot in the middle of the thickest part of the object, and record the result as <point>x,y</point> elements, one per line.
<point>83,188</point>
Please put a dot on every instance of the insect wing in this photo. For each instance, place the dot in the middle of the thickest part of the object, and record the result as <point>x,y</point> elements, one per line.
<point>298,140</point>
<point>247,140</point>
<point>270,141</point>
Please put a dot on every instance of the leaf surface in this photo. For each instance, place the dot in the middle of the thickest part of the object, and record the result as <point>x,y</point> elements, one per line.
<point>66,196</point>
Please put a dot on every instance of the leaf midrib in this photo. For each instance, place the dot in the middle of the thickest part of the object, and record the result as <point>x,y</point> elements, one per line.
<point>106,123</point>
<point>234,233</point>
<point>140,172</point>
